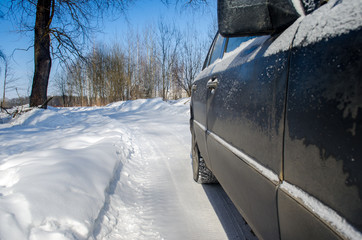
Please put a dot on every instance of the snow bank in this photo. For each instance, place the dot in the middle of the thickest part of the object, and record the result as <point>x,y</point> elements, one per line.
<point>57,165</point>
<point>155,104</point>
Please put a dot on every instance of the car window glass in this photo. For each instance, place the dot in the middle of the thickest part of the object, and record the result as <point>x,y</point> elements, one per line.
<point>235,42</point>
<point>218,49</point>
<point>207,60</point>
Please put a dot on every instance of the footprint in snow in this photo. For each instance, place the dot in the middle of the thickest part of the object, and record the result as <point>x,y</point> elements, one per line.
<point>8,178</point>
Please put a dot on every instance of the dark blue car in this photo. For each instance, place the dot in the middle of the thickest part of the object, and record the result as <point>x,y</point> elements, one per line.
<point>276,116</point>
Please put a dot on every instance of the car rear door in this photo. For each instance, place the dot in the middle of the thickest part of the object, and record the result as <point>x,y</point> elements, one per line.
<point>245,123</point>
<point>323,137</point>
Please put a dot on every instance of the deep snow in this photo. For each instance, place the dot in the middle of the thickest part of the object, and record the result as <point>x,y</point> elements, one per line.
<point>117,172</point>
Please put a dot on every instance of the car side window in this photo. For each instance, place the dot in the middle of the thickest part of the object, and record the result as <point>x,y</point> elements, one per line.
<point>207,60</point>
<point>218,49</point>
<point>223,45</point>
<point>234,42</point>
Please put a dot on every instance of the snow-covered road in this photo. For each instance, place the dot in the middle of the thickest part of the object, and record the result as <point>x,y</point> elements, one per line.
<point>141,148</point>
<point>156,196</point>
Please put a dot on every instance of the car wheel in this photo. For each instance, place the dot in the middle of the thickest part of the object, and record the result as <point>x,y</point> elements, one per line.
<point>201,173</point>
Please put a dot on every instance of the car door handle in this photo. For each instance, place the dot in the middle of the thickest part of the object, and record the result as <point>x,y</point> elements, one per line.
<point>212,83</point>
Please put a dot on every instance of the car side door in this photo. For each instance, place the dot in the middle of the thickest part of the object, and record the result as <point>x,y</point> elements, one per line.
<point>199,97</point>
<point>245,124</point>
<point>323,137</point>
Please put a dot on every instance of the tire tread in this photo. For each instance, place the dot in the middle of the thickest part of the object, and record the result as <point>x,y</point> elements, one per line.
<point>205,175</point>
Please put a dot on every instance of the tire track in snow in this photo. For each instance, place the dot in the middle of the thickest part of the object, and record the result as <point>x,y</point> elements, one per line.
<point>156,198</point>
<point>124,218</point>
<point>169,186</point>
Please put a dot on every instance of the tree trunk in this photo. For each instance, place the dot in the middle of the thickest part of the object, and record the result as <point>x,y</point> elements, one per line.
<point>42,59</point>
<point>5,80</point>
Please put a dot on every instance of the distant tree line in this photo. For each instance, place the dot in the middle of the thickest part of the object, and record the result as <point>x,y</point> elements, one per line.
<point>161,61</point>
<point>62,28</point>
<point>13,102</point>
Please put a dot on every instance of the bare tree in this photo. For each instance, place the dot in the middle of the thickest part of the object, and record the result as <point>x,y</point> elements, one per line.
<point>115,73</point>
<point>60,30</point>
<point>61,84</point>
<point>4,59</point>
<point>169,40</point>
<point>192,53</point>
<point>8,77</point>
<point>76,73</point>
<point>96,75</point>
<point>149,67</point>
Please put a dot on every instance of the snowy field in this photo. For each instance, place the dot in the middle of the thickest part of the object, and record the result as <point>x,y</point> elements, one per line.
<point>117,172</point>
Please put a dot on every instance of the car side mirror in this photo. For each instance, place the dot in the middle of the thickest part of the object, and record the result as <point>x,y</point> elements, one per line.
<point>255,17</point>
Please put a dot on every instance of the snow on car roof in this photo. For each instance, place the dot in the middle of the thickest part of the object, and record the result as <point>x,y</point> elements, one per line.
<point>335,18</point>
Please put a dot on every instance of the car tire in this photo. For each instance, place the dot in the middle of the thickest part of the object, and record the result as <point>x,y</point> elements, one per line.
<point>201,173</point>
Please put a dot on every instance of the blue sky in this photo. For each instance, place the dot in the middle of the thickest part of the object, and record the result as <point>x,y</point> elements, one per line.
<point>139,15</point>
